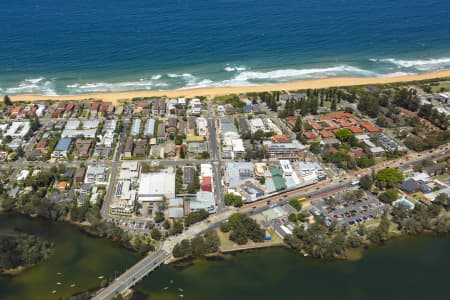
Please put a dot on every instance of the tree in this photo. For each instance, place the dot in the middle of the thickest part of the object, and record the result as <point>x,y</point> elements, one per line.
<point>388,196</point>
<point>7,100</point>
<point>159,217</point>
<point>315,147</point>
<point>177,228</point>
<point>295,204</point>
<point>195,216</point>
<point>198,246</point>
<point>292,218</point>
<point>388,177</point>
<point>298,125</point>
<point>155,234</point>
<point>442,199</point>
<point>182,249</point>
<point>343,134</point>
<point>205,154</point>
<point>212,241</point>
<point>232,199</point>
<point>365,182</point>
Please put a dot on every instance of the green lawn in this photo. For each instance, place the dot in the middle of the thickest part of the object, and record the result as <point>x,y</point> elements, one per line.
<point>444,84</point>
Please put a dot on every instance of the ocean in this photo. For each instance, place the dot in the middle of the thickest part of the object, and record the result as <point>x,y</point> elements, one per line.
<point>57,47</point>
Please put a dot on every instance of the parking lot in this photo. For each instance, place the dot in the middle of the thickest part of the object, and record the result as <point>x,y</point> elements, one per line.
<point>348,212</point>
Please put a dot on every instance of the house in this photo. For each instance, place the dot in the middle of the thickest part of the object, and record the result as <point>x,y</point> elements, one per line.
<point>62,148</point>
<point>82,148</point>
<point>188,174</point>
<point>309,135</point>
<point>94,108</point>
<point>139,148</point>
<point>172,125</point>
<point>96,174</point>
<point>159,107</point>
<point>191,126</point>
<point>161,134</point>
<point>128,149</point>
<point>62,186</point>
<point>201,126</point>
<point>182,127</point>
<point>79,175</point>
<point>42,146</point>
<point>169,150</point>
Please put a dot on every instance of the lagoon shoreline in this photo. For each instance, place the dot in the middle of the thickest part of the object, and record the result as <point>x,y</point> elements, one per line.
<point>118,97</point>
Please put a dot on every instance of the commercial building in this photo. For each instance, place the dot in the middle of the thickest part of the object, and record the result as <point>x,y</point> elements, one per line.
<point>203,200</point>
<point>291,151</point>
<point>154,187</point>
<point>238,173</point>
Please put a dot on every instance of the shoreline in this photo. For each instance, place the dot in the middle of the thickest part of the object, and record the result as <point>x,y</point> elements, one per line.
<point>118,97</point>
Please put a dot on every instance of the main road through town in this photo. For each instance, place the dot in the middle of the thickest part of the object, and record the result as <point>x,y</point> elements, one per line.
<point>318,190</point>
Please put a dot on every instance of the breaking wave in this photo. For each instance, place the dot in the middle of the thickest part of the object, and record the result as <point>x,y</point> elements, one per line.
<point>230,75</point>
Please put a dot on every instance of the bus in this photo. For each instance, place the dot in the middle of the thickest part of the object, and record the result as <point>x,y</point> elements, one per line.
<point>301,199</point>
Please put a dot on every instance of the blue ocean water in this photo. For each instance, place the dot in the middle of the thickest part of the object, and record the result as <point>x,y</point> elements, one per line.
<point>69,47</point>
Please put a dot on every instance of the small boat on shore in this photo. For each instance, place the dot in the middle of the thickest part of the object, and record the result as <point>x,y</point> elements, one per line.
<point>181,296</point>
<point>181,290</point>
<point>72,285</point>
<point>166,288</point>
<point>53,292</point>
<point>101,277</point>
<point>58,283</point>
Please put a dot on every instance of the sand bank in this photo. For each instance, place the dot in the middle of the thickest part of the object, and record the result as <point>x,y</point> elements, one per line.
<point>117,97</point>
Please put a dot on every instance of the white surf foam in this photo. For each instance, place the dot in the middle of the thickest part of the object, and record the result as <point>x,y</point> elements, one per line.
<point>234,68</point>
<point>289,74</point>
<point>33,85</point>
<point>419,64</point>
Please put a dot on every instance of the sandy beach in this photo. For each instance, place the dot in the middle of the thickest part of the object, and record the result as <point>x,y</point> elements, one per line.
<point>117,97</point>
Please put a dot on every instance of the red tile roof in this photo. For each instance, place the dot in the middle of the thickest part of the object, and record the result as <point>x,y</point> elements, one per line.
<point>325,134</point>
<point>309,135</point>
<point>315,125</point>
<point>370,127</point>
<point>355,129</point>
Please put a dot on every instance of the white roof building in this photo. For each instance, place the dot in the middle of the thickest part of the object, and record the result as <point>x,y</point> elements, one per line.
<point>201,126</point>
<point>87,133</point>
<point>72,124</point>
<point>203,200</point>
<point>286,167</point>
<point>154,187</point>
<point>18,129</point>
<point>149,127</point>
<point>90,124</point>
<point>206,170</point>
<point>256,124</point>
<point>135,127</point>
<point>23,175</point>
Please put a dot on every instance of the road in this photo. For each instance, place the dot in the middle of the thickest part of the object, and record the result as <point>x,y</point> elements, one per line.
<point>215,161</point>
<point>133,275</point>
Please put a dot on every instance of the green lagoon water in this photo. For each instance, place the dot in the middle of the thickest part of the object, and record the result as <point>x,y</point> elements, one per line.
<point>79,258</point>
<point>409,268</point>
